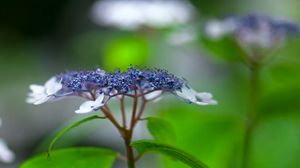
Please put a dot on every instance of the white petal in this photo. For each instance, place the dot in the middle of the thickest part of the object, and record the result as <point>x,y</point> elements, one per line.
<point>153,95</point>
<point>30,100</point>
<point>205,98</point>
<point>90,106</point>
<point>86,107</point>
<point>37,98</point>
<point>6,155</point>
<point>202,98</point>
<point>42,100</point>
<point>37,88</point>
<point>187,94</point>
<point>52,86</point>
<point>99,101</point>
<point>50,82</point>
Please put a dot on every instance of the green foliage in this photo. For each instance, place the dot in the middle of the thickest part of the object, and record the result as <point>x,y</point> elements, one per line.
<point>284,74</point>
<point>290,51</point>
<point>145,146</point>
<point>276,142</point>
<point>65,130</point>
<point>124,51</point>
<point>225,48</point>
<point>161,130</point>
<point>281,101</point>
<point>82,157</point>
<point>212,136</point>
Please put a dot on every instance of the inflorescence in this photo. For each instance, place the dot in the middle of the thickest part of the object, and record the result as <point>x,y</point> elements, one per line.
<point>253,31</point>
<point>120,82</point>
<point>98,86</point>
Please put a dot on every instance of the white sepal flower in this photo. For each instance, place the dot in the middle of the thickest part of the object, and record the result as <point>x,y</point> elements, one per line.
<point>200,98</point>
<point>154,96</point>
<point>204,98</point>
<point>41,94</point>
<point>6,155</point>
<point>90,106</point>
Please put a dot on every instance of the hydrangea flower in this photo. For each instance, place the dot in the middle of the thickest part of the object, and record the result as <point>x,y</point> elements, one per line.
<point>43,93</point>
<point>98,87</point>
<point>253,32</point>
<point>6,155</point>
<point>133,14</point>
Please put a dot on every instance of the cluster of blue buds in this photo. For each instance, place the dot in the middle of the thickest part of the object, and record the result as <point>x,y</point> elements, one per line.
<point>98,86</point>
<point>121,82</point>
<point>253,33</point>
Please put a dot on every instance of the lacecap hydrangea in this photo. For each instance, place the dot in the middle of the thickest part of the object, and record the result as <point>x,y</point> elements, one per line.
<point>98,87</point>
<point>257,34</point>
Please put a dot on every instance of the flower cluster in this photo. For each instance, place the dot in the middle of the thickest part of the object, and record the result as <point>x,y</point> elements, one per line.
<point>98,86</point>
<point>133,14</point>
<point>6,155</point>
<point>253,31</point>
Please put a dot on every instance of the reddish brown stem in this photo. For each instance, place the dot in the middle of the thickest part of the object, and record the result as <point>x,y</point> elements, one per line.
<point>134,109</point>
<point>122,104</point>
<point>109,115</point>
<point>125,132</point>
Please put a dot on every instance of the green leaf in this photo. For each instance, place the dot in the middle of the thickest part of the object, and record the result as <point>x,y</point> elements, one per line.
<point>161,130</point>
<point>144,146</point>
<point>81,157</point>
<point>65,130</point>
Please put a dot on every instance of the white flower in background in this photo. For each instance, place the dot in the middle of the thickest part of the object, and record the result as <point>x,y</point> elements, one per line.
<point>41,94</point>
<point>90,106</point>
<point>200,98</point>
<point>183,36</point>
<point>132,14</point>
<point>216,29</point>
<point>6,155</point>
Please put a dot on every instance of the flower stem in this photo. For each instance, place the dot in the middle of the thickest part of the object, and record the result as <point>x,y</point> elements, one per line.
<point>123,112</point>
<point>252,114</point>
<point>129,151</point>
<point>126,133</point>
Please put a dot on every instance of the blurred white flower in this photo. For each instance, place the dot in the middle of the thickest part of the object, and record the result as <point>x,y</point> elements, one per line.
<point>252,31</point>
<point>90,106</point>
<point>132,14</point>
<point>200,98</point>
<point>217,29</point>
<point>6,155</point>
<point>183,36</point>
<point>41,94</point>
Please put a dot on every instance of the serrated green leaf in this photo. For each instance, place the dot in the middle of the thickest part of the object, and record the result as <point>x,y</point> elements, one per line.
<point>65,130</point>
<point>81,157</point>
<point>161,130</point>
<point>145,146</point>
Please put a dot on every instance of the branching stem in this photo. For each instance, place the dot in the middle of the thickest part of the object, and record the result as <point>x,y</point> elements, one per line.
<point>125,132</point>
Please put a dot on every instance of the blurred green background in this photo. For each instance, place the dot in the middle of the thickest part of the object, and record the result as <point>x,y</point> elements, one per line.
<point>41,38</point>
